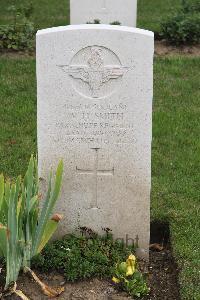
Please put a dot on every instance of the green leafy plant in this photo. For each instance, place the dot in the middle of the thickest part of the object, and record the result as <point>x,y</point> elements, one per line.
<point>81,257</point>
<point>24,230</point>
<point>19,35</point>
<point>97,21</point>
<point>115,23</point>
<point>129,279</point>
<point>184,26</point>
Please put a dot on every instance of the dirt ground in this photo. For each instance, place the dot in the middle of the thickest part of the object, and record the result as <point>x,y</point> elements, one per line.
<point>162,280</point>
<point>162,49</point>
<point>162,277</point>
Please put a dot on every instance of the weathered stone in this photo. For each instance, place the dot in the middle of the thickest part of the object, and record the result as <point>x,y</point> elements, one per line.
<point>95,86</point>
<point>106,11</point>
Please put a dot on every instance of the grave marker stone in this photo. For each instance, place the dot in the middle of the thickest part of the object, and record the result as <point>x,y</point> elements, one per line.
<point>94,85</point>
<point>107,11</point>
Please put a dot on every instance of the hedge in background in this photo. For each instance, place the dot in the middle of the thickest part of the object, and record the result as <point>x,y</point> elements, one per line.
<point>19,35</point>
<point>184,26</point>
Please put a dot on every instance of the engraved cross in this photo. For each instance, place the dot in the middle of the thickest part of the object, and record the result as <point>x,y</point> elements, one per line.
<point>95,172</point>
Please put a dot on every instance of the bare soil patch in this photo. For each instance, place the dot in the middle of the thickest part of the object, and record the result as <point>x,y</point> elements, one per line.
<point>163,49</point>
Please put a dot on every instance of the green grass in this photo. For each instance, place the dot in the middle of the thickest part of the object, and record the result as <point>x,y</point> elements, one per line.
<point>176,148</point>
<point>49,14</point>
<point>176,163</point>
<point>152,12</point>
<point>17,115</point>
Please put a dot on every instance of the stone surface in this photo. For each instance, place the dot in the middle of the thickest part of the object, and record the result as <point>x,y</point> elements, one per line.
<point>107,11</point>
<point>95,85</point>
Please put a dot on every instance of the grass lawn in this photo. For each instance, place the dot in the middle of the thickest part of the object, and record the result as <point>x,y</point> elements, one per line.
<point>17,115</point>
<point>176,148</point>
<point>49,14</point>
<point>176,163</point>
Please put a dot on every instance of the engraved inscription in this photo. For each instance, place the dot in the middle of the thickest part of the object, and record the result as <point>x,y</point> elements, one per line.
<point>95,172</point>
<point>90,72</point>
<point>97,124</point>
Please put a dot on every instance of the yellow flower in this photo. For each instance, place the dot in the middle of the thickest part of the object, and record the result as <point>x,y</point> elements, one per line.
<point>131,260</point>
<point>115,280</point>
<point>130,265</point>
<point>130,270</point>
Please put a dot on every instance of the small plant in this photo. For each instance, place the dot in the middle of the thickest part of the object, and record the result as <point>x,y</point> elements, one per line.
<point>184,26</point>
<point>129,279</point>
<point>115,23</point>
<point>19,35</point>
<point>24,230</point>
<point>97,21</point>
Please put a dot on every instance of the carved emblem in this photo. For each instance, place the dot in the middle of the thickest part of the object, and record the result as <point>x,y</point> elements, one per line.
<point>94,73</point>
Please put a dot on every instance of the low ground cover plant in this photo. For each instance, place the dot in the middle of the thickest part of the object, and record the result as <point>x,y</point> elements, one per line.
<point>24,229</point>
<point>20,33</point>
<point>83,256</point>
<point>184,26</point>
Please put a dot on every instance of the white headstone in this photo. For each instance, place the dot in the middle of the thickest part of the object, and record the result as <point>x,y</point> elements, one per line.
<point>95,85</point>
<point>107,11</point>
